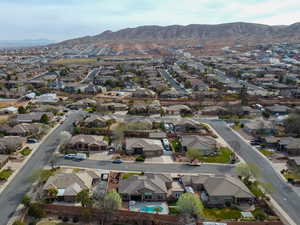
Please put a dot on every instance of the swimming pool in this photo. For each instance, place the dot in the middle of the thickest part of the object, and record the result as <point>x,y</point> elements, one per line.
<point>151,209</point>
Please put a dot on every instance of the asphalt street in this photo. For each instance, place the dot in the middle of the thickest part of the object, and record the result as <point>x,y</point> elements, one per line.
<point>173,82</point>
<point>283,193</point>
<point>150,167</point>
<point>20,185</point>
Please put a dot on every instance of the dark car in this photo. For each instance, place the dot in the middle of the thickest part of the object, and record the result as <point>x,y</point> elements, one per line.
<point>117,161</point>
<point>32,140</point>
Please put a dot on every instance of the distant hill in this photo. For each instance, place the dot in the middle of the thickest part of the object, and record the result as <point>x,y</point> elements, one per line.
<point>24,43</point>
<point>202,33</point>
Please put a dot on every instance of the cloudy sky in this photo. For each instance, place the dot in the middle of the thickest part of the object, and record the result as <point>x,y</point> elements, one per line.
<point>63,19</point>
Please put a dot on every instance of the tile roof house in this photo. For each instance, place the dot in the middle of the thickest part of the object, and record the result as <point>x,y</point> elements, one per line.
<point>220,191</point>
<point>25,129</point>
<point>144,146</point>
<point>9,144</point>
<point>187,126</point>
<point>258,127</point>
<point>69,185</point>
<point>31,117</point>
<point>290,145</point>
<point>278,109</point>
<point>88,143</point>
<point>177,109</point>
<point>149,187</point>
<point>95,121</point>
<point>206,145</point>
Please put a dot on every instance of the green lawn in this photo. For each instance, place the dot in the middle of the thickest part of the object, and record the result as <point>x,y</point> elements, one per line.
<point>173,210</point>
<point>176,145</point>
<point>127,175</point>
<point>256,190</point>
<point>224,156</point>
<point>266,152</point>
<point>222,214</point>
<point>26,151</point>
<point>5,174</point>
<point>292,175</point>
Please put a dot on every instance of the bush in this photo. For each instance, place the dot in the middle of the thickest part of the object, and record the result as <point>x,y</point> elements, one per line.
<point>75,220</point>
<point>259,214</point>
<point>18,222</point>
<point>140,159</point>
<point>26,200</point>
<point>65,219</point>
<point>26,151</point>
<point>36,211</point>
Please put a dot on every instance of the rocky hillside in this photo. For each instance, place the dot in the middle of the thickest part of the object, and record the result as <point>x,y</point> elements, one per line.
<point>196,32</point>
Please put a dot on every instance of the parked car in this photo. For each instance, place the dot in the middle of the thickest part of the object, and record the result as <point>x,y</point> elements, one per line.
<point>69,156</point>
<point>117,161</point>
<point>80,157</point>
<point>32,140</point>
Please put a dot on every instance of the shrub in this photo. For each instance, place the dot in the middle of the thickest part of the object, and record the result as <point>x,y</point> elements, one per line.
<point>18,222</point>
<point>65,219</point>
<point>259,214</point>
<point>36,211</point>
<point>140,159</point>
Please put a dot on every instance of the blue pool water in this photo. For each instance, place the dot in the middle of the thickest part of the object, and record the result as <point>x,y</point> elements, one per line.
<point>151,209</point>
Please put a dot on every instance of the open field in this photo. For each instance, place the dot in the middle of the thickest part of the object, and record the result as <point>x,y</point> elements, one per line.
<point>75,61</point>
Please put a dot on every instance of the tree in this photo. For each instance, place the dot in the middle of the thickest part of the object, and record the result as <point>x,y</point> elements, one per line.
<point>193,154</point>
<point>45,119</point>
<point>64,138</point>
<point>26,200</point>
<point>190,204</point>
<point>292,124</point>
<point>21,110</point>
<point>52,192</point>
<point>111,202</point>
<point>54,159</point>
<point>246,170</point>
<point>84,198</point>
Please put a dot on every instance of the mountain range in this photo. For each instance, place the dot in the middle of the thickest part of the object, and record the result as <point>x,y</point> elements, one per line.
<point>242,32</point>
<point>24,43</point>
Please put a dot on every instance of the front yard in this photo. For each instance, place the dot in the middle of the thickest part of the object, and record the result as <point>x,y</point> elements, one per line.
<point>222,214</point>
<point>5,174</point>
<point>26,151</point>
<point>224,156</point>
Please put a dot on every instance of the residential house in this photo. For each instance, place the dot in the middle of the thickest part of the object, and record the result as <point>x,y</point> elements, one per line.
<point>213,110</point>
<point>278,110</point>
<point>32,117</point>
<point>144,146</point>
<point>10,144</point>
<point>9,110</point>
<point>148,187</point>
<point>47,98</point>
<point>68,185</point>
<point>290,145</point>
<point>171,94</point>
<point>220,191</point>
<point>96,121</point>
<point>187,126</point>
<point>294,163</point>
<point>143,93</point>
<point>258,127</point>
<point>25,129</point>
<point>178,109</point>
<point>205,145</point>
<point>88,143</point>
<point>114,106</point>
